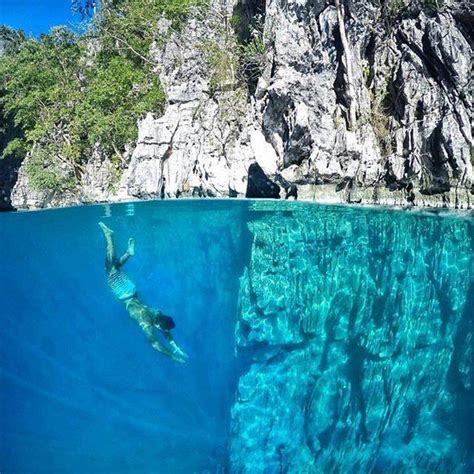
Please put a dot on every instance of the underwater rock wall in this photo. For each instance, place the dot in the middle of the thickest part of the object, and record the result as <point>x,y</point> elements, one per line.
<point>358,331</point>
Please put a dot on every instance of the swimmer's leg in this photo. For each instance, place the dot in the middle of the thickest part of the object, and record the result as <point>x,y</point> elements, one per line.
<point>110,252</point>
<point>129,253</point>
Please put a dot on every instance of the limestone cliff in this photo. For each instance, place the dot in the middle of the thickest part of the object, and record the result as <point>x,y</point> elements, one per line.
<point>351,101</point>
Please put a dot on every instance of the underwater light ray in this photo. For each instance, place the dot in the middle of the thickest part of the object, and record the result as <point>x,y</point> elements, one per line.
<point>37,353</point>
<point>189,408</point>
<point>147,426</point>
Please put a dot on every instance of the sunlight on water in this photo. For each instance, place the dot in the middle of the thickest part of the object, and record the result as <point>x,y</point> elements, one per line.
<point>320,339</point>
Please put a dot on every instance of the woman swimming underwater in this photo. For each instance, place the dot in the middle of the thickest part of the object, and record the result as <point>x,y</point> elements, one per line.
<point>124,289</point>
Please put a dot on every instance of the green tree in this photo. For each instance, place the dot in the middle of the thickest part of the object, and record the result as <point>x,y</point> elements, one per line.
<point>69,94</point>
<point>40,82</point>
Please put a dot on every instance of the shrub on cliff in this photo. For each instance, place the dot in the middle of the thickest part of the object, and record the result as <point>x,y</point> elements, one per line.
<point>68,94</point>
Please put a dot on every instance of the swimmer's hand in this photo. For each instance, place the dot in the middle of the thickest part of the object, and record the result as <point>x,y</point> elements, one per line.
<point>178,358</point>
<point>171,354</point>
<point>178,354</point>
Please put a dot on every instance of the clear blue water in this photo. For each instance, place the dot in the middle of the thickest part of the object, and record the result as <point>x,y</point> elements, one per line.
<point>81,390</point>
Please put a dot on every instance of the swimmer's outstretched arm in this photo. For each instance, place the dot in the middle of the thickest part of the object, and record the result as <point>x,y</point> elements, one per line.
<point>160,348</point>
<point>176,349</point>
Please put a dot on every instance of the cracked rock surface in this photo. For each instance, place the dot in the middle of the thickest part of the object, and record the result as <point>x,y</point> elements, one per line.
<point>356,101</point>
<point>408,93</point>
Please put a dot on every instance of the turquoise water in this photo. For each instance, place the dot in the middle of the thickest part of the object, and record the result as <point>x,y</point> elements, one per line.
<point>320,339</point>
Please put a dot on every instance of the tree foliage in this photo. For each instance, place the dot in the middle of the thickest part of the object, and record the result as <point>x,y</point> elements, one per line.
<point>71,94</point>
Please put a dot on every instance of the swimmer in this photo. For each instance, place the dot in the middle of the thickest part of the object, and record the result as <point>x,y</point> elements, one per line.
<point>124,289</point>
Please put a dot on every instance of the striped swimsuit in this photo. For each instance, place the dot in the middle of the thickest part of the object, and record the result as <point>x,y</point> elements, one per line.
<point>121,285</point>
<point>125,290</point>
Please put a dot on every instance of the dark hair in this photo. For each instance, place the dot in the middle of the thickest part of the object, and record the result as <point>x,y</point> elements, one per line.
<point>164,322</point>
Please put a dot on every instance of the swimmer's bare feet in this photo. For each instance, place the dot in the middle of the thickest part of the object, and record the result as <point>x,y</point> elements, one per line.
<point>131,247</point>
<point>106,230</point>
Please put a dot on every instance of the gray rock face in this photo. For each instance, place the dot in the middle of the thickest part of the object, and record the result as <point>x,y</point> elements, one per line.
<point>8,176</point>
<point>431,116</point>
<point>356,102</point>
<point>411,101</point>
<point>358,325</point>
<point>410,140</point>
<point>25,196</point>
<point>97,185</point>
<point>99,181</point>
<point>189,150</point>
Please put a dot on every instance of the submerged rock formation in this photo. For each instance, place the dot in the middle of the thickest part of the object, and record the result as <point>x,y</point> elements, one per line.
<point>358,330</point>
<point>350,101</point>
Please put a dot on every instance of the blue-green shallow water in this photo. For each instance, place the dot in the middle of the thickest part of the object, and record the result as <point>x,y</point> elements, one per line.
<point>319,338</point>
<point>81,389</point>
